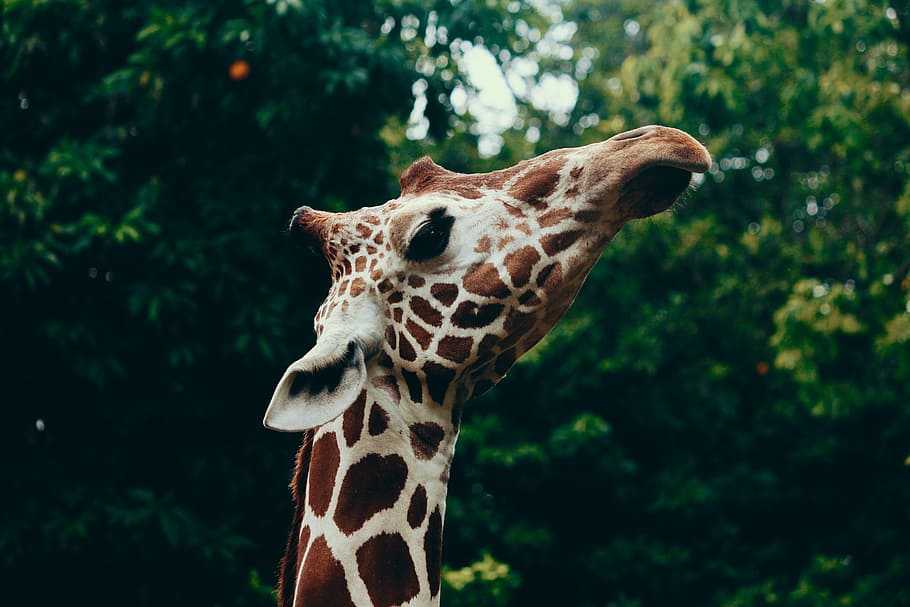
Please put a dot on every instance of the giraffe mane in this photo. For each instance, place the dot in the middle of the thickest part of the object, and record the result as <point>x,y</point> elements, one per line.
<point>287,569</point>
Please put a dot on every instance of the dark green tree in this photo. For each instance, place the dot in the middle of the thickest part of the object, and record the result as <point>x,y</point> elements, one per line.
<point>151,154</point>
<point>722,419</point>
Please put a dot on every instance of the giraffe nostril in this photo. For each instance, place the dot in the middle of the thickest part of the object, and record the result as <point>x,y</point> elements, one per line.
<point>635,133</point>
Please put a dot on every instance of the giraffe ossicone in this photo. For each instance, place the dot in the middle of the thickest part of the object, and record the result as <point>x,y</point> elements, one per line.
<point>434,297</point>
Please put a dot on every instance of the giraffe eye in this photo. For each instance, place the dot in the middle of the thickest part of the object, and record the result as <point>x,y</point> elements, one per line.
<point>431,238</point>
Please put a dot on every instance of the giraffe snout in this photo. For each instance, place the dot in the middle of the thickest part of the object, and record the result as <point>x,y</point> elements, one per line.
<point>656,145</point>
<point>653,165</point>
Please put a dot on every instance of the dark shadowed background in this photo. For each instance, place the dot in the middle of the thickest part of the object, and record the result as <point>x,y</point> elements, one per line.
<point>723,419</point>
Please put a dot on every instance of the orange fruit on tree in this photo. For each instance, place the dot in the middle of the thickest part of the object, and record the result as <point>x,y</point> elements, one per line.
<point>239,70</point>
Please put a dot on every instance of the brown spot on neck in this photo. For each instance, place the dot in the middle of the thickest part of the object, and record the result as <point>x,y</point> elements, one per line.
<point>379,420</point>
<point>513,210</point>
<point>468,315</point>
<point>323,469</point>
<point>415,388</point>
<point>539,182</point>
<point>432,547</point>
<point>445,293</point>
<point>352,423</point>
<point>454,348</point>
<point>529,298</point>
<point>438,380</point>
<point>425,439</point>
<point>387,570</point>
<point>322,580</point>
<point>550,278</point>
<point>519,264</point>
<point>417,509</point>
<point>390,337</point>
<point>358,286</point>
<point>554,243</point>
<point>553,216</point>
<point>425,310</point>
<point>422,336</point>
<point>483,279</point>
<point>371,485</point>
<point>405,349</point>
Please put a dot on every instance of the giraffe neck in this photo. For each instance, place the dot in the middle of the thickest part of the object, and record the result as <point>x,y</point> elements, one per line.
<point>370,491</point>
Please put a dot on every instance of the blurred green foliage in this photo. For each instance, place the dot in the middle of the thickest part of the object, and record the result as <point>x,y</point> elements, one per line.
<point>722,419</point>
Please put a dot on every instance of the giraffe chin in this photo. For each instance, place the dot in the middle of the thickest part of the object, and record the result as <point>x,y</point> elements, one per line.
<point>653,190</point>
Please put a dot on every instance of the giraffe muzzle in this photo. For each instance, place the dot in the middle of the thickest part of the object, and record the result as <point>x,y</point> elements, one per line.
<point>655,165</point>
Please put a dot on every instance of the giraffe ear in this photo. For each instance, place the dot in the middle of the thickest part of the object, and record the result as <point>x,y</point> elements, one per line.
<point>319,387</point>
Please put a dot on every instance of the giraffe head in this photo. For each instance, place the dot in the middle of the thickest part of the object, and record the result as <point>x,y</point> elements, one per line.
<point>445,287</point>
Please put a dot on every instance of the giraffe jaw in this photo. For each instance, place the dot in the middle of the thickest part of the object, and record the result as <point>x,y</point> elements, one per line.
<point>660,161</point>
<point>654,190</point>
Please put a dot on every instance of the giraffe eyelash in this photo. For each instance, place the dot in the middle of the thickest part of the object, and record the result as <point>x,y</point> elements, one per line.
<point>431,238</point>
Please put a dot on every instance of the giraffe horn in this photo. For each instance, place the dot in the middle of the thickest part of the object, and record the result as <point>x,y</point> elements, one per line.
<point>420,175</point>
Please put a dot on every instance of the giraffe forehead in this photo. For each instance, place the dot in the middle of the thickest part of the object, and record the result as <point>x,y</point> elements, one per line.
<point>484,200</point>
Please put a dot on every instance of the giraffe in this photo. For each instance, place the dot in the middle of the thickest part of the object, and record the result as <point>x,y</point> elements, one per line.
<point>434,296</point>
